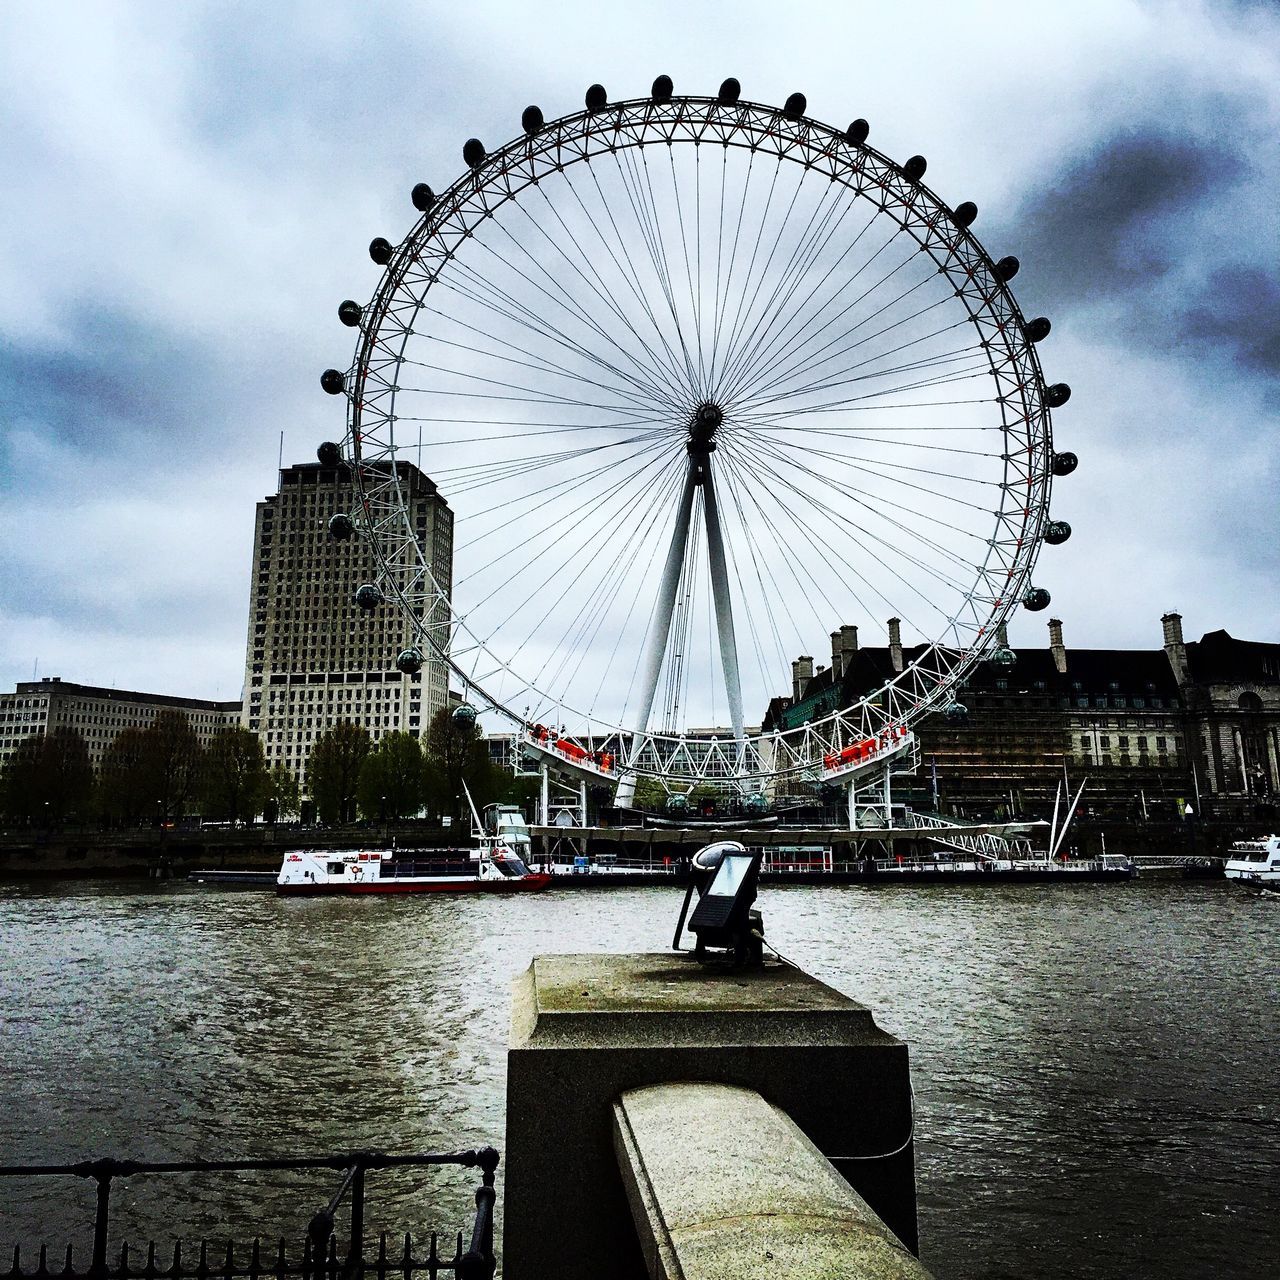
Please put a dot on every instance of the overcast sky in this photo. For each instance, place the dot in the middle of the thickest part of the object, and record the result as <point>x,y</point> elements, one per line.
<point>189,191</point>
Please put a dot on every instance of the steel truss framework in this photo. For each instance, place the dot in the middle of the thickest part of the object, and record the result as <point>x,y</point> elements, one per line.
<point>415,265</point>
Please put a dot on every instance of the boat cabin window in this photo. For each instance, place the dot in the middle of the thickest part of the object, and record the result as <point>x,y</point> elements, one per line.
<point>510,866</point>
<point>334,868</point>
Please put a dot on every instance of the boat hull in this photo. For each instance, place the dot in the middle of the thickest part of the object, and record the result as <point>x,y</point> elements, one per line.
<point>409,884</point>
<point>1252,874</point>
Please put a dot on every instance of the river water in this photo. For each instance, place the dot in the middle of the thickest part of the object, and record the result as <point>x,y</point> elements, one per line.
<point>1095,1066</point>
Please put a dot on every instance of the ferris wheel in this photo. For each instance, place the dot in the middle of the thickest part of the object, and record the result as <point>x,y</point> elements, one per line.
<point>703,381</point>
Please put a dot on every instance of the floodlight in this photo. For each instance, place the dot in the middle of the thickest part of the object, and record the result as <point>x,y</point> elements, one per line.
<point>724,925</point>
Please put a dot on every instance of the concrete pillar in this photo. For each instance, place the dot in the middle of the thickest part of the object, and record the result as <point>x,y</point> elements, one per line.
<point>1273,758</point>
<point>1211,761</point>
<point>1237,743</point>
<point>545,820</point>
<point>587,1028</point>
<point>895,643</point>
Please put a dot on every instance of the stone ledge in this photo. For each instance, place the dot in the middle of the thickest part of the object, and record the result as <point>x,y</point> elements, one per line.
<point>723,1185</point>
<point>590,1000</point>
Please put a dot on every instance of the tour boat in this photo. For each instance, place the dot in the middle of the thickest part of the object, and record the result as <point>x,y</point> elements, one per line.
<point>1254,861</point>
<point>492,868</point>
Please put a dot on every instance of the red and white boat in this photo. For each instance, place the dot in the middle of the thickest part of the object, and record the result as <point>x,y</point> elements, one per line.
<point>492,868</point>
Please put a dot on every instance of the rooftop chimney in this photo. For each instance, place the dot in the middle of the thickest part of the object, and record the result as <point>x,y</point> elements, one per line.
<point>801,674</point>
<point>844,644</point>
<point>895,643</point>
<point>1174,648</point>
<point>1056,647</point>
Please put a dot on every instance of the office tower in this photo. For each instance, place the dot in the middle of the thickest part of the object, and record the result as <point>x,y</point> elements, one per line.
<point>314,657</point>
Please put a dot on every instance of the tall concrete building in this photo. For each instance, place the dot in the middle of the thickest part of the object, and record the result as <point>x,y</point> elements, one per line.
<point>313,656</point>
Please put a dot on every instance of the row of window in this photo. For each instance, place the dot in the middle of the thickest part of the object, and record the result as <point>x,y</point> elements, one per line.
<point>1124,760</point>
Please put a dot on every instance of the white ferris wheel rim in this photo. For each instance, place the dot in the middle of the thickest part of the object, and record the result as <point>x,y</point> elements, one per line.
<point>981,287</point>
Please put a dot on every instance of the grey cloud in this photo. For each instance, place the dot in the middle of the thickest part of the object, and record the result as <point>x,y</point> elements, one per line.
<point>1105,225</point>
<point>1239,311</point>
<point>1151,229</point>
<point>112,377</point>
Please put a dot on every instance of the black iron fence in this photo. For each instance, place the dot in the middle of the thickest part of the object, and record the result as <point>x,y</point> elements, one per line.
<point>316,1255</point>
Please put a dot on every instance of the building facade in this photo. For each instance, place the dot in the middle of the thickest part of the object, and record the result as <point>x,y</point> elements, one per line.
<point>313,657</point>
<point>38,707</point>
<point>1153,730</point>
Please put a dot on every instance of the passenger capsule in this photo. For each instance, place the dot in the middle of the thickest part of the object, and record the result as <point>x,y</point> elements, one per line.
<point>423,197</point>
<point>1057,395</point>
<point>915,167</point>
<point>368,597</point>
<point>380,251</point>
<point>1064,463</point>
<point>955,713</point>
<point>964,214</point>
<point>532,120</point>
<point>329,454</point>
<point>730,92</point>
<point>1037,598</point>
<point>473,153</point>
<point>1057,532</point>
<point>662,89</point>
<point>410,660</point>
<point>1007,268</point>
<point>755,804</point>
<point>464,715</point>
<point>794,107</point>
<point>333,382</point>
<point>349,312</point>
<point>340,527</point>
<point>1004,657</point>
<point>857,132</point>
<point>597,99</point>
<point>1037,330</point>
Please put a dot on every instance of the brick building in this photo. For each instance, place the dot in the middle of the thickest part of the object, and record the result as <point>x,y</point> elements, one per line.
<point>1153,729</point>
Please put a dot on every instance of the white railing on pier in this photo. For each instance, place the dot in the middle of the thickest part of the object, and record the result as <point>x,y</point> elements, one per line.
<point>992,847</point>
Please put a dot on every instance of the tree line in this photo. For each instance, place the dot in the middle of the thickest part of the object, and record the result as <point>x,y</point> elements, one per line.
<point>161,773</point>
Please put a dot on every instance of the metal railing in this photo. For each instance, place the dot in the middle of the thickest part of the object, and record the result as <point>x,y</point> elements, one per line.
<point>318,1258</point>
<point>990,847</point>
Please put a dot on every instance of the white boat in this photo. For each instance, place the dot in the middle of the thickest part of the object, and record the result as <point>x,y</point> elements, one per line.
<point>496,865</point>
<point>1255,861</point>
<point>493,868</point>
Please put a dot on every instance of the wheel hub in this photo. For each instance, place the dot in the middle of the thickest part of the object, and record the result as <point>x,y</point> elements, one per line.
<point>703,425</point>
